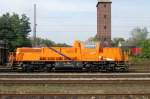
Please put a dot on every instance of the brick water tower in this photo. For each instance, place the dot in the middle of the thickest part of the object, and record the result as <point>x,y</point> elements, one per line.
<point>104,21</point>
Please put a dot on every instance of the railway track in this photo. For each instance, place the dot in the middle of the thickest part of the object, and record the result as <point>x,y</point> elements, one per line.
<point>76,96</point>
<point>74,78</point>
<point>74,75</point>
<point>73,94</point>
<point>75,85</point>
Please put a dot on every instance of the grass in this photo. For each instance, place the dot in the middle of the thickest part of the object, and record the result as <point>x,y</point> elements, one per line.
<point>139,64</point>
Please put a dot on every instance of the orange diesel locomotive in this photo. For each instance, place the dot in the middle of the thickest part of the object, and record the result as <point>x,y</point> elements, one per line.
<point>76,57</point>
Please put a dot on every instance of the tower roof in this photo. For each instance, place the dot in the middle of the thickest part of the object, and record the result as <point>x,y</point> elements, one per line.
<point>104,0</point>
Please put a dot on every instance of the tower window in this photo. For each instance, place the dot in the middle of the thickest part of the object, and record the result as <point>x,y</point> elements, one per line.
<point>105,16</point>
<point>105,5</point>
<point>105,27</point>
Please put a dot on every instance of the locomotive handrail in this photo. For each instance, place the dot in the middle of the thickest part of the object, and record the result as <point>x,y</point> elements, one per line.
<point>61,54</point>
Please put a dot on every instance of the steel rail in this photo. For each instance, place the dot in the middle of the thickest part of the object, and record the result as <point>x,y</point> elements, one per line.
<point>74,80</point>
<point>75,75</point>
<point>74,94</point>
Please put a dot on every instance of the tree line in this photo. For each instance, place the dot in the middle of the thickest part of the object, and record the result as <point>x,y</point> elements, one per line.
<point>15,30</point>
<point>138,38</point>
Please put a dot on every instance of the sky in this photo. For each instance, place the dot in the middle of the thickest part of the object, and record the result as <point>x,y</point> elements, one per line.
<point>64,21</point>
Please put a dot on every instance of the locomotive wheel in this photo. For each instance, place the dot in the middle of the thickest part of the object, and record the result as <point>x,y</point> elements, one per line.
<point>111,68</point>
<point>90,68</point>
<point>122,70</point>
<point>48,68</point>
<point>27,68</point>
